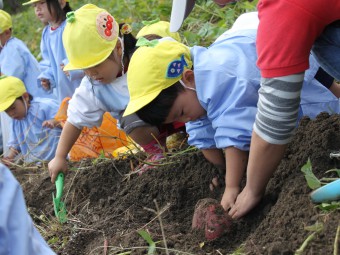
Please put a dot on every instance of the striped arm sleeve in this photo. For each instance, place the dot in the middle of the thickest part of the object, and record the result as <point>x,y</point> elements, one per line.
<point>278,107</point>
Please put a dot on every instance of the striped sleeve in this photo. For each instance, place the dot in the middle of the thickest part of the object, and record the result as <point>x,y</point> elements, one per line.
<point>278,108</point>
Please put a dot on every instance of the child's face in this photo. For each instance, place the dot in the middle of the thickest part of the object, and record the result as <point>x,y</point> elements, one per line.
<point>105,72</point>
<point>42,12</point>
<point>3,39</point>
<point>186,108</point>
<point>17,110</point>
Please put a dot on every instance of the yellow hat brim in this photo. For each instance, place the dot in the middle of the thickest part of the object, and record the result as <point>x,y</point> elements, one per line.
<point>139,103</point>
<point>5,105</point>
<point>70,66</point>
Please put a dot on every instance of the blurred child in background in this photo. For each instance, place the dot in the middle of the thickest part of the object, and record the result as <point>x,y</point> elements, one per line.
<point>215,91</point>
<point>52,77</point>
<point>29,135</point>
<point>104,55</point>
<point>17,60</point>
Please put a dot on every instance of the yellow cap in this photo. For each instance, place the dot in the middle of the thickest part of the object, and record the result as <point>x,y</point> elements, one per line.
<point>160,28</point>
<point>5,21</point>
<point>154,68</point>
<point>11,89</point>
<point>89,37</point>
<point>36,1</point>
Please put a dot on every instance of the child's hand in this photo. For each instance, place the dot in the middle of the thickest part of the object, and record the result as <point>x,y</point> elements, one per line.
<point>56,165</point>
<point>65,72</point>
<point>7,161</point>
<point>51,123</point>
<point>45,83</point>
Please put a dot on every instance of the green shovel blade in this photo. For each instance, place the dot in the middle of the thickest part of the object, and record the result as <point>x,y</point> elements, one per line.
<point>59,206</point>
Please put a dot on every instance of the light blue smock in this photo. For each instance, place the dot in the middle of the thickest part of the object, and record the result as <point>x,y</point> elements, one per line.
<point>18,236</point>
<point>92,99</point>
<point>53,54</point>
<point>16,60</point>
<point>30,138</point>
<point>227,83</point>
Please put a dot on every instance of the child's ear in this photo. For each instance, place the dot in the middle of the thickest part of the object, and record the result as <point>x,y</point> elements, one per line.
<point>26,96</point>
<point>119,48</point>
<point>188,77</point>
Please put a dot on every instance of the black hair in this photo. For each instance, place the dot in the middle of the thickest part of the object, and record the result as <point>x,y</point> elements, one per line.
<point>129,43</point>
<point>158,109</point>
<point>30,97</point>
<point>55,8</point>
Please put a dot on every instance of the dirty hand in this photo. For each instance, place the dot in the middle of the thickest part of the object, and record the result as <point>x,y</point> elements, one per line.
<point>56,165</point>
<point>45,83</point>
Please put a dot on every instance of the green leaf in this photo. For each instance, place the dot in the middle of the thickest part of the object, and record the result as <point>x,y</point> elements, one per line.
<point>147,237</point>
<point>311,179</point>
<point>327,207</point>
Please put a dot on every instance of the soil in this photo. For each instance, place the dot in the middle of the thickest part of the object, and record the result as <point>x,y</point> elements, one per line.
<point>108,204</point>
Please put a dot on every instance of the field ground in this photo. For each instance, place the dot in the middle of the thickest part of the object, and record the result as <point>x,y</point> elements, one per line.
<point>107,205</point>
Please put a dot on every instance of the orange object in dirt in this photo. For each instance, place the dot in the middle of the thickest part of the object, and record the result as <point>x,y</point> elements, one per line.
<point>95,141</point>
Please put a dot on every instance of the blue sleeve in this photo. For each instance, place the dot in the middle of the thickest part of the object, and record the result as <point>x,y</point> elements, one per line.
<point>201,133</point>
<point>18,234</point>
<point>74,74</point>
<point>45,64</point>
<point>231,104</point>
<point>15,64</point>
<point>51,109</point>
<point>13,140</point>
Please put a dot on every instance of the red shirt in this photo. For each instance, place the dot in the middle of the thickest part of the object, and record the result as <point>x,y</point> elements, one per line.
<point>287,31</point>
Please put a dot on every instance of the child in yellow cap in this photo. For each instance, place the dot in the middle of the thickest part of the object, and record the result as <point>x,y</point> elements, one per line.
<point>52,77</point>
<point>17,60</point>
<point>215,91</point>
<point>29,135</point>
<point>104,55</point>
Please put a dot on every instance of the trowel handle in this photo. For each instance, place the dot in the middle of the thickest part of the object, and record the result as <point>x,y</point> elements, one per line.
<point>59,184</point>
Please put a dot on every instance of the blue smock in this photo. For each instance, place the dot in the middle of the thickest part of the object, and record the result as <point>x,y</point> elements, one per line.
<point>30,138</point>
<point>16,60</point>
<point>17,232</point>
<point>53,54</point>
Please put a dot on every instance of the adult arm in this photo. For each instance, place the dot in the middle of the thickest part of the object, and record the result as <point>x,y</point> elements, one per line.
<point>275,122</point>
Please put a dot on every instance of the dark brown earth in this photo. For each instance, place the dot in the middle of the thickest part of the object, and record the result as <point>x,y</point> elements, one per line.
<point>108,205</point>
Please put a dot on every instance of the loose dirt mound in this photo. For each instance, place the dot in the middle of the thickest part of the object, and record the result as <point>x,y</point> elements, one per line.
<point>107,204</point>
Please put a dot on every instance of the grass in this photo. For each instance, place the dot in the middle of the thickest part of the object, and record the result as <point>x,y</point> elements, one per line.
<point>206,22</point>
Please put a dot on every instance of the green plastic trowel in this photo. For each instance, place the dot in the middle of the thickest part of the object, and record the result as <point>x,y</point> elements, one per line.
<point>59,206</point>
